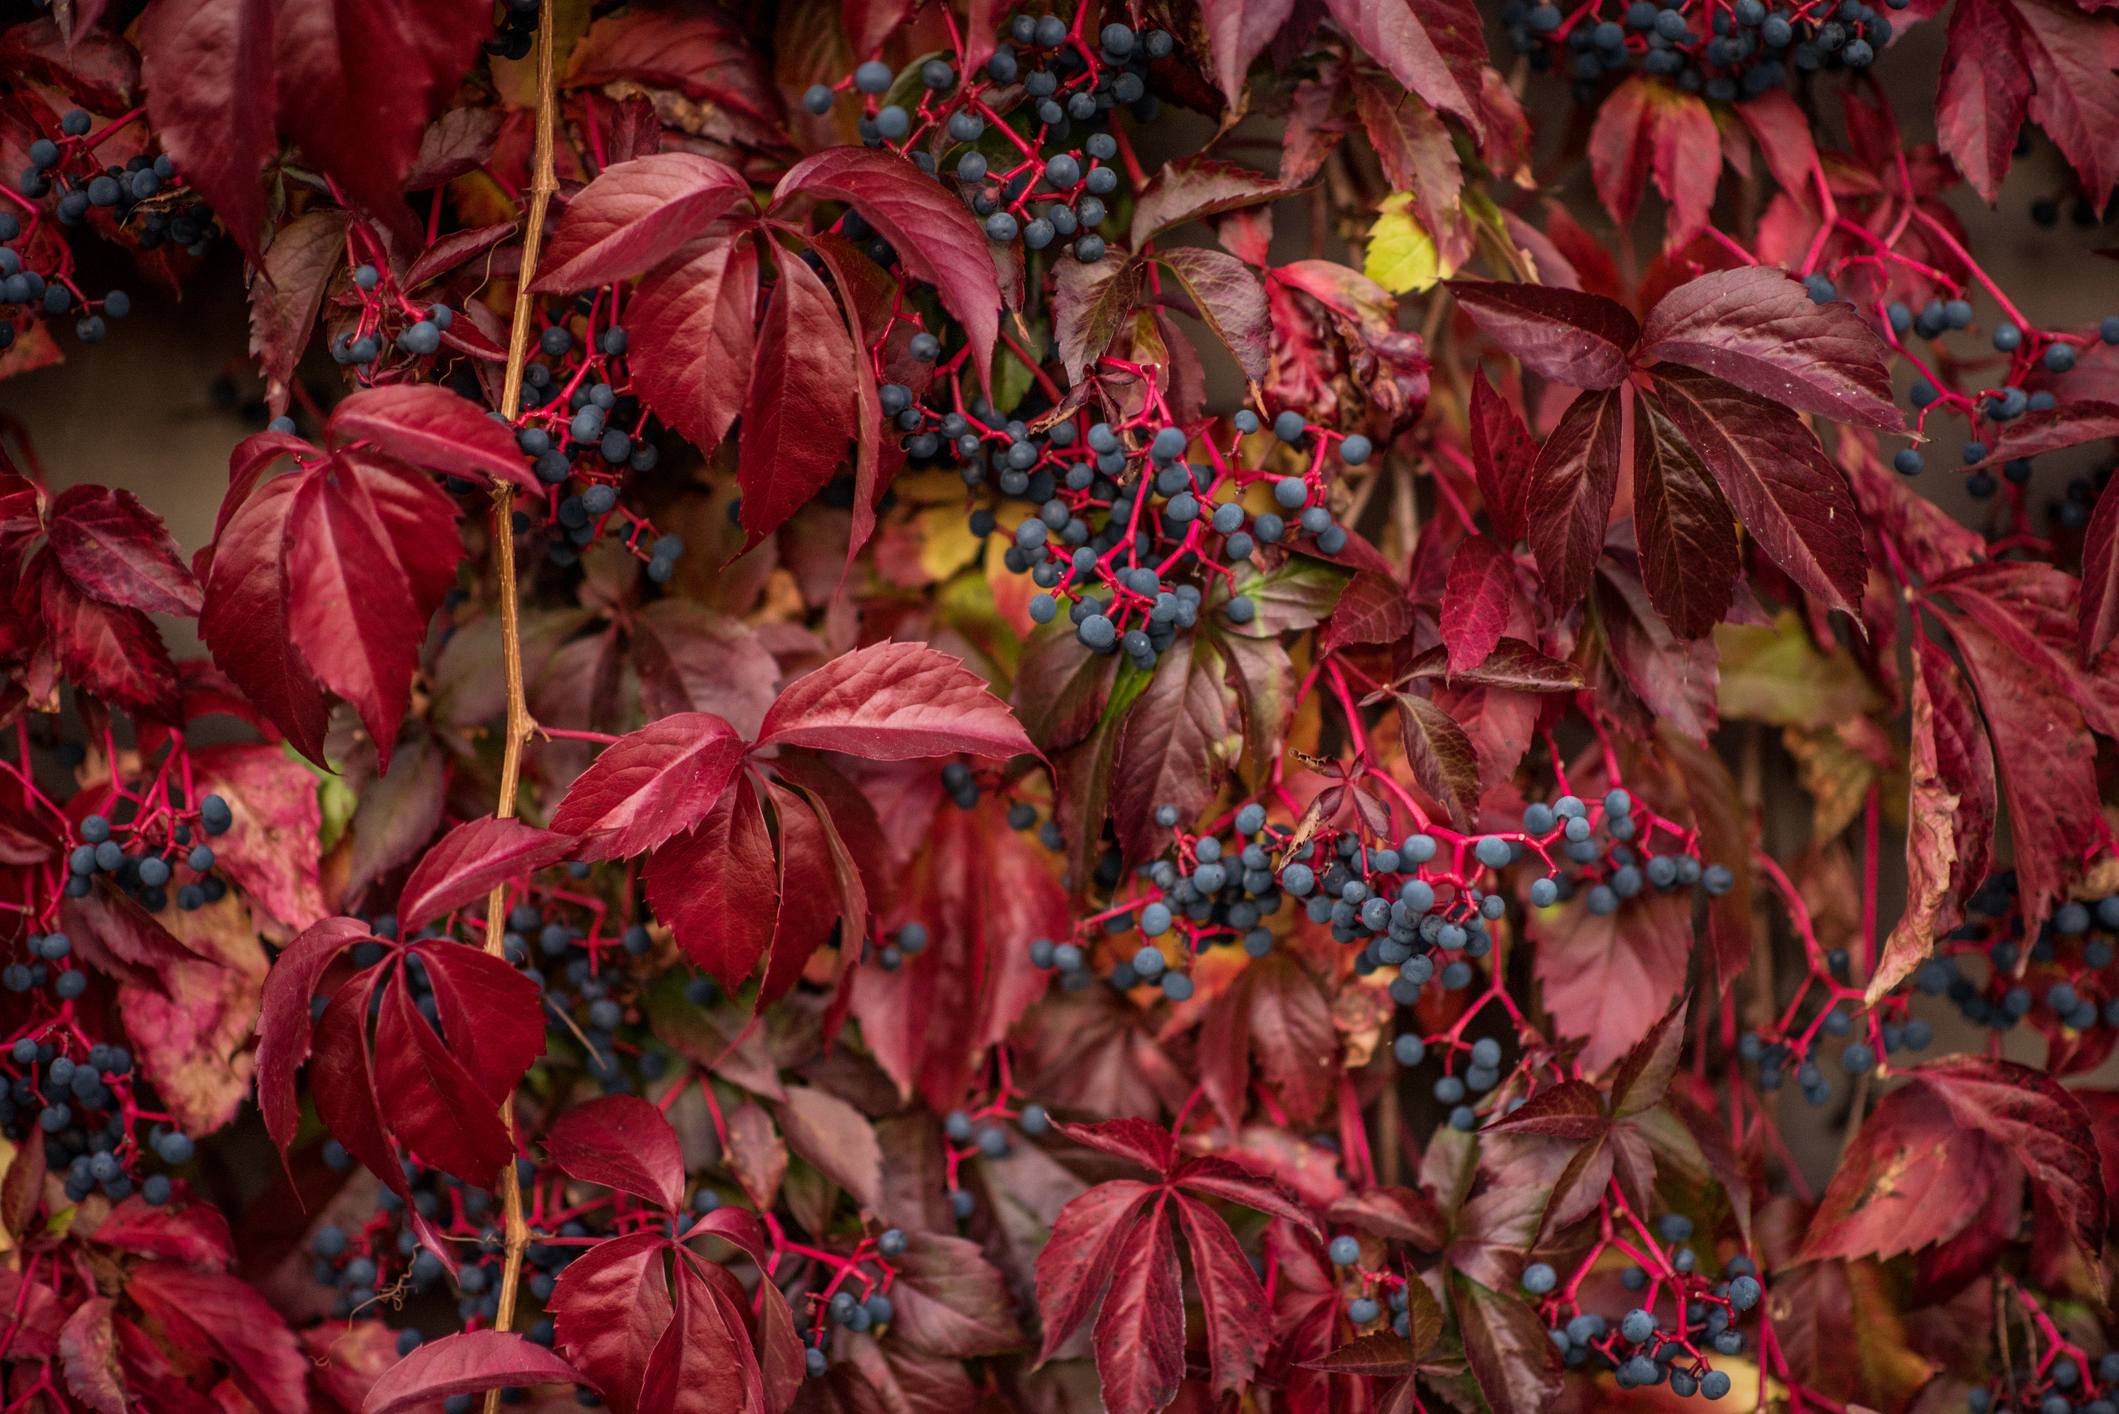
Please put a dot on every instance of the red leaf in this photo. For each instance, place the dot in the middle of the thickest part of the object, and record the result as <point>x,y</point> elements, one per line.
<point>1274,1010</point>
<point>1792,500</point>
<point>1583,341</point>
<point>208,69</point>
<point>1192,188</point>
<point>651,784</point>
<point>1373,608</point>
<point>1140,1332</point>
<point>2048,780</point>
<point>117,550</point>
<point>1137,1141</point>
<point>358,82</point>
<point>953,1302</point>
<point>1502,457</point>
<point>352,602</point>
<point>1646,127</point>
<point>1416,44</point>
<point>1921,1167</point>
<point>464,1363</point>
<point>1173,750</point>
<point>1089,303</point>
<point>436,1108</point>
<point>1673,680</point>
<point>2100,581</point>
<point>937,240</point>
<point>984,893</point>
<point>1686,530</point>
<point>491,1013</point>
<point>113,653</point>
<point>1230,302</point>
<point>2074,98</point>
<point>715,886</point>
<point>2068,425</point>
<point>1237,31</point>
<point>1644,1073</point>
<point>693,325</point>
<point>246,623</point>
<point>635,215</point>
<point>702,1364</point>
<point>470,860</point>
<point>1417,154</point>
<point>194,1234</point>
<point>622,1142</point>
<point>1074,1264</point>
<point>894,702</point>
<point>835,1138</point>
<point>1934,855</point>
<point>88,1349</point>
<point>1233,1182</point>
<point>433,427</point>
<point>1482,589</point>
<point>344,1090</point>
<point>1985,90</point>
<point>1573,1109</point>
<point>812,896</point>
<point>1609,979</point>
<point>1756,327</point>
<point>305,254</point>
<point>271,850</point>
<point>1444,761</point>
<point>1783,133</point>
<point>224,1316</point>
<point>608,1309</point>
<point>799,415</point>
<point>1571,491</point>
<point>284,1028</point>
<point>1231,1300</point>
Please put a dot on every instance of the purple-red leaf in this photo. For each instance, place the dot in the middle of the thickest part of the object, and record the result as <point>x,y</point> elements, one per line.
<point>1073,1266</point>
<point>1444,761</point>
<point>1581,340</point>
<point>894,702</point>
<point>1173,749</point>
<point>692,326</point>
<point>1373,608</point>
<point>634,216</point>
<point>1239,1326</point>
<point>1191,188</point>
<point>431,426</point>
<point>1791,499</point>
<point>1571,490</point>
<point>622,1142</point>
<point>491,1013</point>
<point>1140,1332</point>
<point>1417,43</point>
<point>1230,301</point>
<point>1649,128</point>
<point>715,886</point>
<point>2099,614</point>
<point>465,1363</point>
<point>650,784</point>
<point>284,1027</point>
<point>1757,327</point>
<point>470,860</point>
<point>932,231</point>
<point>1475,605</point>
<point>1685,528</point>
<point>436,1107</point>
<point>117,550</point>
<point>1502,457</point>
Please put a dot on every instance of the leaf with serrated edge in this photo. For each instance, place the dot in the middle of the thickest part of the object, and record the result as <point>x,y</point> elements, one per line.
<point>1571,490</point>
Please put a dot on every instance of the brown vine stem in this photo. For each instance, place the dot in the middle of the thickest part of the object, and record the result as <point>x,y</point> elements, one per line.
<point>542,185</point>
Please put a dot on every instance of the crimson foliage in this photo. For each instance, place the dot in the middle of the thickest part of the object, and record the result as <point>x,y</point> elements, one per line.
<point>1099,822</point>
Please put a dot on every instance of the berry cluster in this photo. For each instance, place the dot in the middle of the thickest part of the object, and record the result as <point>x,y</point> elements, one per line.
<point>2062,1381</point>
<point>1728,52</point>
<point>2063,978</point>
<point>162,841</point>
<point>1005,138</point>
<point>79,1096</point>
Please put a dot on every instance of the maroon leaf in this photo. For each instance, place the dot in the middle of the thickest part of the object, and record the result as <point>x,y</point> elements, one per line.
<point>1686,530</point>
<point>1573,1109</point>
<point>1417,43</point>
<point>1074,1265</point>
<point>798,418</point>
<point>716,887</point>
<point>1230,301</point>
<point>1571,491</point>
<point>1986,87</point>
<point>819,888</point>
<point>436,1107</point>
<point>833,1137</point>
<point>1382,1354</point>
<point>465,1363</point>
<point>88,1349</point>
<point>208,69</point>
<point>1192,188</point>
<point>1482,589</point>
<point>1583,341</point>
<point>622,1142</point>
<point>1757,327</point>
<point>1792,500</point>
<point>1921,1167</point>
<point>955,1303</point>
<point>932,231</point>
<point>1503,455</point>
<point>433,427</point>
<point>1513,664</point>
<point>344,1090</point>
<point>1231,1300</point>
<point>1230,1181</point>
<point>651,784</point>
<point>246,623</point>
<point>693,324</point>
<point>702,1363</point>
<point>1644,1072</point>
<point>305,254</point>
<point>1506,1345</point>
<point>1174,747</point>
<point>1137,1141</point>
<point>2072,54</point>
<point>2069,425</point>
<point>1089,303</point>
<point>114,653</point>
<point>1373,608</point>
<point>1444,761</point>
<point>1934,854</point>
<point>894,702</point>
<point>2100,581</point>
<point>1237,31</point>
<point>284,1028</point>
<point>458,247</point>
<point>635,215</point>
<point>470,860</point>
